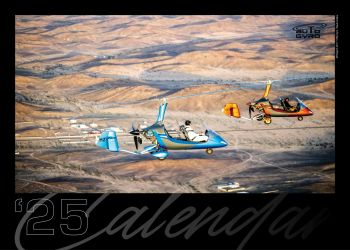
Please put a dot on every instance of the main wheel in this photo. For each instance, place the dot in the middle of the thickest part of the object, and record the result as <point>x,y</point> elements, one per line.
<point>161,159</point>
<point>209,151</point>
<point>267,120</point>
<point>300,118</point>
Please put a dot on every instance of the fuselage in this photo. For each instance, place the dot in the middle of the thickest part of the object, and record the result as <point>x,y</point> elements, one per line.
<point>157,134</point>
<point>280,112</point>
<point>271,111</point>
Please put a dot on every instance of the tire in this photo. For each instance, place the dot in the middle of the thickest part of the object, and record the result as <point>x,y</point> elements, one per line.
<point>161,159</point>
<point>209,151</point>
<point>300,118</point>
<point>267,120</point>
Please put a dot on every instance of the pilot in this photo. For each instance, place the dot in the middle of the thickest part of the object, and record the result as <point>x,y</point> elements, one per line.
<point>287,105</point>
<point>193,136</point>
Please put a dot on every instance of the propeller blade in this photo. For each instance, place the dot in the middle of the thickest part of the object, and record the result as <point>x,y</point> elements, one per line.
<point>135,132</point>
<point>136,143</point>
<point>132,126</point>
<point>251,109</point>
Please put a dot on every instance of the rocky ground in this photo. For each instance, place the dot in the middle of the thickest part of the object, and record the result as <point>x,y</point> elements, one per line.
<point>113,71</point>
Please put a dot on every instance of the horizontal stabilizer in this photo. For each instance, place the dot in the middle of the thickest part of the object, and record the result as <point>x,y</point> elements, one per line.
<point>108,140</point>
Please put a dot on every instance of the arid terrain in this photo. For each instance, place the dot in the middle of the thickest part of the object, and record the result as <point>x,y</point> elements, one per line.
<point>78,75</point>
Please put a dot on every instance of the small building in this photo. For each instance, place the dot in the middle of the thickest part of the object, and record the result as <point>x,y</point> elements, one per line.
<point>72,121</point>
<point>116,129</point>
<point>228,187</point>
<point>93,125</point>
<point>95,132</point>
<point>82,126</point>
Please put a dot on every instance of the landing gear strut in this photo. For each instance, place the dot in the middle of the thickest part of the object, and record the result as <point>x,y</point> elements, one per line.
<point>258,117</point>
<point>209,151</point>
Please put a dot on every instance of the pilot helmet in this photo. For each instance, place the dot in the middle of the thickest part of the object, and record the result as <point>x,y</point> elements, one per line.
<point>187,122</point>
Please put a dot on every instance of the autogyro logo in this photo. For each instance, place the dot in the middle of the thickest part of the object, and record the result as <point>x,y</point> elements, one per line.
<point>312,30</point>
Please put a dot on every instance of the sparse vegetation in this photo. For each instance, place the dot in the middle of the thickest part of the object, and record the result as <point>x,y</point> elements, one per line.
<point>117,78</point>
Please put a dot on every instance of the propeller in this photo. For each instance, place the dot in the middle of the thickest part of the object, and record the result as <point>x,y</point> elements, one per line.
<point>251,108</point>
<point>136,132</point>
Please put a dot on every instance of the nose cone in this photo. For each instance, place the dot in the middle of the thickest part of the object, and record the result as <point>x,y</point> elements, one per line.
<point>223,142</point>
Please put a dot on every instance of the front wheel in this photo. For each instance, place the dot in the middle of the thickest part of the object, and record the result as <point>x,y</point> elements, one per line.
<point>161,159</point>
<point>300,118</point>
<point>267,120</point>
<point>209,151</point>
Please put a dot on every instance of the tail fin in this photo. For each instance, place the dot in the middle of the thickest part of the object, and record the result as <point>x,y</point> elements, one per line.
<point>267,90</point>
<point>108,140</point>
<point>302,105</point>
<point>231,109</point>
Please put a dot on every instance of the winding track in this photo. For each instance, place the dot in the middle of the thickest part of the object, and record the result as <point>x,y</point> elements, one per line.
<point>198,180</point>
<point>291,170</point>
<point>43,184</point>
<point>60,167</point>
